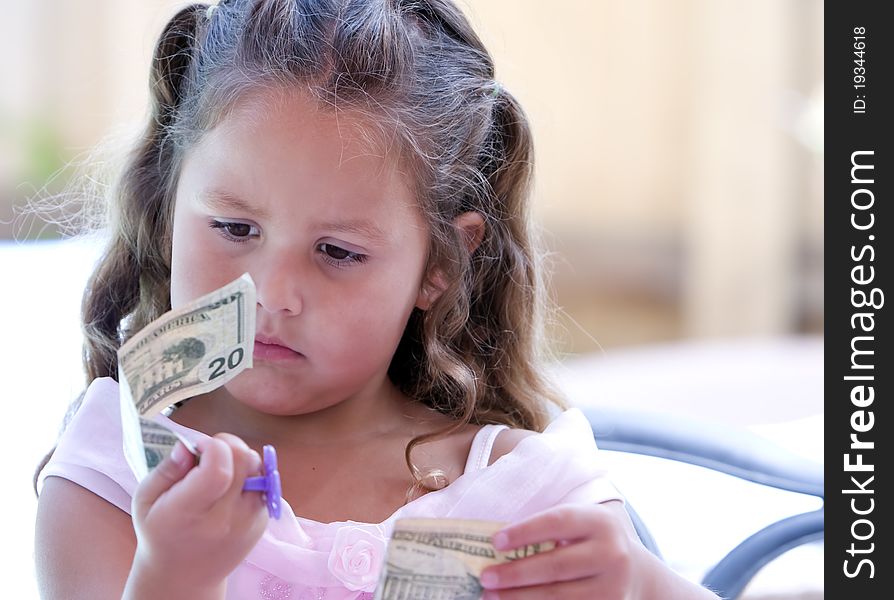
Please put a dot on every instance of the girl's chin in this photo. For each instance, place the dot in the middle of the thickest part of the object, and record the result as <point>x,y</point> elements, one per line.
<point>261,394</point>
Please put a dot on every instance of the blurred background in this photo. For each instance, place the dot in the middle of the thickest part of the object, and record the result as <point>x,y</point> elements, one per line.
<point>678,182</point>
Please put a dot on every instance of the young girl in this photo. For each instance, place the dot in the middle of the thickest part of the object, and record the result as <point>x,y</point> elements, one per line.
<point>357,158</point>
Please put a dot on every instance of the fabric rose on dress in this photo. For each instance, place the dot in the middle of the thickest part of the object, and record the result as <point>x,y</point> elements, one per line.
<point>356,556</point>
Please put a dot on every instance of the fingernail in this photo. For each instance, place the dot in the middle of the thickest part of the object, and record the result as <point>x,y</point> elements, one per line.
<point>489,579</point>
<point>180,455</point>
<point>501,540</point>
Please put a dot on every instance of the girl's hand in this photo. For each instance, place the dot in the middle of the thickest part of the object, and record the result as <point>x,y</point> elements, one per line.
<point>595,557</point>
<point>193,523</point>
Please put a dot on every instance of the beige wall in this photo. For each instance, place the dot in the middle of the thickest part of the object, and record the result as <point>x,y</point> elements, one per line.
<point>676,140</point>
<point>678,145</point>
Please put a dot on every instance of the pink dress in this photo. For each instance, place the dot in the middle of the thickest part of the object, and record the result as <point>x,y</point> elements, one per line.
<point>302,559</point>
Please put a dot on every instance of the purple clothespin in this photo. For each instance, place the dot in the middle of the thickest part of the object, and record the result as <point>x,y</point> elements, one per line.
<point>268,483</point>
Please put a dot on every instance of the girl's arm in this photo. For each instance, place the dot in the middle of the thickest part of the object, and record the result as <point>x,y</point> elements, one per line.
<point>191,526</point>
<point>84,545</point>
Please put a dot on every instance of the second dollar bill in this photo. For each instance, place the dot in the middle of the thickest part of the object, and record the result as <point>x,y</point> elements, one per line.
<point>442,559</point>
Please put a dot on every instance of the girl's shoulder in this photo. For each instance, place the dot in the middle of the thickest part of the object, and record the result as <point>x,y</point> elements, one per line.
<point>569,425</point>
<point>569,433</point>
<point>506,441</point>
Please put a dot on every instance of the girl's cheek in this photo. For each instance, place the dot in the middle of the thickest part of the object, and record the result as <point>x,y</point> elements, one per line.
<point>195,270</point>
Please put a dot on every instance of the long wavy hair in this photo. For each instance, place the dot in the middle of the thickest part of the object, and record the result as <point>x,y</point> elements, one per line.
<point>417,68</point>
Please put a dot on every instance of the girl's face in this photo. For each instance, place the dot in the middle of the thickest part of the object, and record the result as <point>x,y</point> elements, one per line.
<point>331,234</point>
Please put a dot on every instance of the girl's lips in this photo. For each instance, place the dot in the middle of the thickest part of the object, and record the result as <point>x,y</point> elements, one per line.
<point>274,352</point>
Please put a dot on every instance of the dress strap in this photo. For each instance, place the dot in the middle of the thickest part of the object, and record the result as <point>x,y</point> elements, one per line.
<point>482,444</point>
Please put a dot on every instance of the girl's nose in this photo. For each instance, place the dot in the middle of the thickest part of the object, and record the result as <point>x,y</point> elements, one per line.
<point>279,286</point>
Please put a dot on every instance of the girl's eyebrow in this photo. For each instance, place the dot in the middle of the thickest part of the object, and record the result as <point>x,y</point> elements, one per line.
<point>226,201</point>
<point>358,226</point>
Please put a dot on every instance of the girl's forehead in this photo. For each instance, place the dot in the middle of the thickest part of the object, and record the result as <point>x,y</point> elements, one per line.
<point>297,110</point>
<point>280,142</point>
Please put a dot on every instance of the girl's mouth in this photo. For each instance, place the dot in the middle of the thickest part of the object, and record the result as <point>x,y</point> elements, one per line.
<point>274,352</point>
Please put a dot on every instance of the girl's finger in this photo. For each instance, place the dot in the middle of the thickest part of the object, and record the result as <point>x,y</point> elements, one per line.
<point>246,462</point>
<point>161,478</point>
<point>559,523</point>
<point>562,564</point>
<point>579,589</point>
<point>210,480</point>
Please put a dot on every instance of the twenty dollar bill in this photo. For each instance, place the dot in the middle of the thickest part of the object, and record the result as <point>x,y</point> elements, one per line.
<point>185,352</point>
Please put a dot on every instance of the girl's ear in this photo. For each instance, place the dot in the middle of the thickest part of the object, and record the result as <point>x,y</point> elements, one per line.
<point>471,225</point>
<point>433,286</point>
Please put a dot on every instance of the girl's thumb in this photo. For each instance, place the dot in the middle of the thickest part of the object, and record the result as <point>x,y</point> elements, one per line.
<point>168,472</point>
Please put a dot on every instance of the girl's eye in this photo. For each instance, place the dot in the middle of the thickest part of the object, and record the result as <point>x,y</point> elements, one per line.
<point>339,257</point>
<point>235,232</point>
